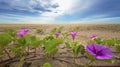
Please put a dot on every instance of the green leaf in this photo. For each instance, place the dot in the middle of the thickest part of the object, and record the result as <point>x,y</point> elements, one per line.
<point>11,32</point>
<point>47,38</point>
<point>52,51</point>
<point>28,39</point>
<point>65,34</point>
<point>77,48</point>
<point>98,40</point>
<point>110,42</point>
<point>15,50</point>
<point>91,41</point>
<point>5,39</point>
<point>50,44</point>
<point>109,60</point>
<point>53,42</point>
<point>117,47</point>
<point>75,44</point>
<point>1,52</point>
<point>67,43</point>
<point>46,65</point>
<point>36,42</point>
<point>21,41</point>
<point>41,31</point>
<point>53,30</point>
<point>91,57</point>
<point>33,41</point>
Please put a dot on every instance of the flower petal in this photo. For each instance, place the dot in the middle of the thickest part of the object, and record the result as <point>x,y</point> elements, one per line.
<point>90,48</point>
<point>93,36</point>
<point>100,51</point>
<point>106,53</point>
<point>21,33</point>
<point>57,34</point>
<point>73,34</point>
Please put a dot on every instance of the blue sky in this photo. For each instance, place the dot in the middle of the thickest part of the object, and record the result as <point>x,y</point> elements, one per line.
<point>59,11</point>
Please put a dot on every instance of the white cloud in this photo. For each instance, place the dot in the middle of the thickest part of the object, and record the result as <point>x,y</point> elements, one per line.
<point>28,5</point>
<point>11,18</point>
<point>65,7</point>
<point>113,20</point>
<point>69,7</point>
<point>42,7</point>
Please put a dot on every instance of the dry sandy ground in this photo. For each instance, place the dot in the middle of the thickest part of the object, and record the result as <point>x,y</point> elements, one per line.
<point>101,30</point>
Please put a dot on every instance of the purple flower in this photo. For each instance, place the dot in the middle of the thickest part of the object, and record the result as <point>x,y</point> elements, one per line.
<point>25,31</point>
<point>21,33</point>
<point>73,34</point>
<point>93,36</point>
<point>57,34</point>
<point>99,51</point>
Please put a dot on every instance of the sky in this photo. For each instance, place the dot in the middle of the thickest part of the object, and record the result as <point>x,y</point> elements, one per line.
<point>59,11</point>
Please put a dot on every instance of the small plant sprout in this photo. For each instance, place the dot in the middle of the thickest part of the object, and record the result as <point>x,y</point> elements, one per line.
<point>23,32</point>
<point>46,64</point>
<point>53,30</point>
<point>32,41</point>
<point>96,40</point>
<point>65,35</point>
<point>5,39</point>
<point>76,49</point>
<point>50,43</point>
<point>11,32</point>
<point>99,51</point>
<point>73,34</point>
<point>41,31</point>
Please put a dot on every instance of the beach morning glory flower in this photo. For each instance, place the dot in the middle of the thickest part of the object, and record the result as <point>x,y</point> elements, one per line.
<point>57,34</point>
<point>73,34</point>
<point>93,36</point>
<point>99,51</point>
<point>21,33</point>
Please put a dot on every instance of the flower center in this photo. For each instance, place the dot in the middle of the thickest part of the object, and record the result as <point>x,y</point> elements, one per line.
<point>99,53</point>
